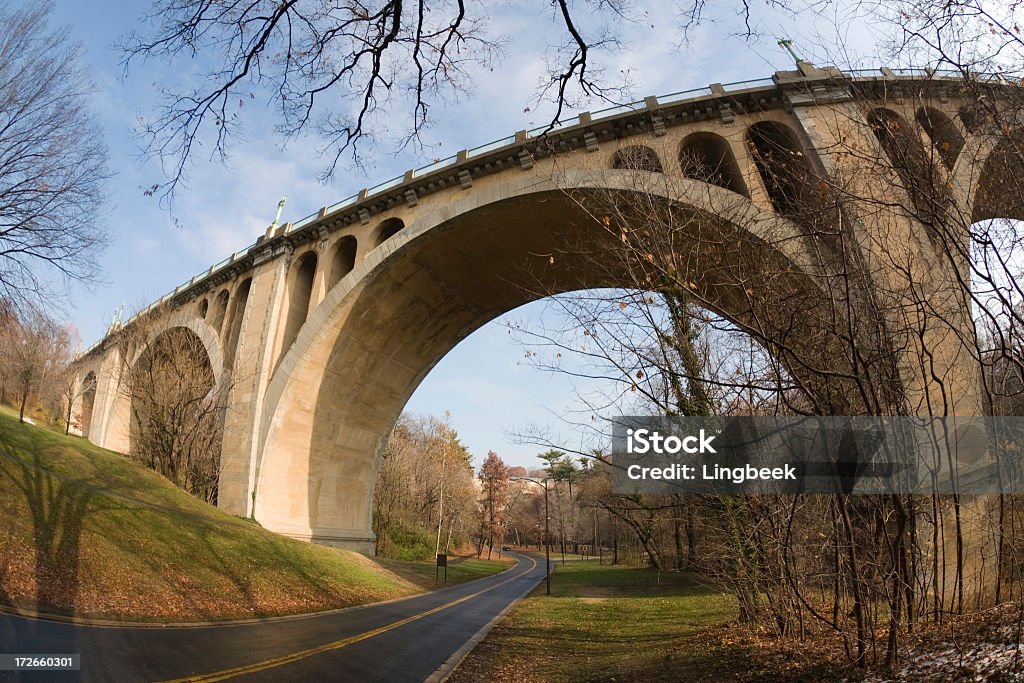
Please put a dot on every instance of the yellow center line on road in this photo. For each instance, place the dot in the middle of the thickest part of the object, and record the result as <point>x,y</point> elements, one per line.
<point>337,644</point>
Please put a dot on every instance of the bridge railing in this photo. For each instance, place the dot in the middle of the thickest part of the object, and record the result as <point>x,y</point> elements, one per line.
<point>348,201</point>
<point>600,114</point>
<point>311,218</point>
<point>921,73</point>
<point>540,131</point>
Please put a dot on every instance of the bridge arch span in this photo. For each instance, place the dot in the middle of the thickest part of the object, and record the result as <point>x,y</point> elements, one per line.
<point>115,433</point>
<point>378,333</point>
<point>207,334</point>
<point>180,361</point>
<point>86,403</point>
<point>994,175</point>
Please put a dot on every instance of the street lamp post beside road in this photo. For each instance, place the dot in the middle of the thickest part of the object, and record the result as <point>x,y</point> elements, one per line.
<point>547,534</point>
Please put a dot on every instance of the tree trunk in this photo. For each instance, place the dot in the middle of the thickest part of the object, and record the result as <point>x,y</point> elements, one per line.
<point>615,542</point>
<point>691,538</point>
<point>677,529</point>
<point>959,555</point>
<point>855,585</point>
<point>910,566</point>
<point>898,556</point>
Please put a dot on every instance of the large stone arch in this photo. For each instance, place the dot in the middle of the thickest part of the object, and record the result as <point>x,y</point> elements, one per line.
<point>377,334</point>
<point>87,393</point>
<point>206,333</point>
<point>116,426</point>
<point>995,175</point>
<point>180,361</point>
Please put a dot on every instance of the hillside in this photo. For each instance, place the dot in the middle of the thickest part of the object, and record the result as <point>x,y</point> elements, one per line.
<point>85,532</point>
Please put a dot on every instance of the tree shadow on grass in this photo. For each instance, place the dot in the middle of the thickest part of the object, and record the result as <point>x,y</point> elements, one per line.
<point>311,590</point>
<point>58,511</point>
<point>58,508</point>
<point>216,556</point>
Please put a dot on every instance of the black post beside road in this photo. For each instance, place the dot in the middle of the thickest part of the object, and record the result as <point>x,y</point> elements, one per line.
<point>442,561</point>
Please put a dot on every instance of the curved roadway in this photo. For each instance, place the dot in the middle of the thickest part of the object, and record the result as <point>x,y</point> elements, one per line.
<point>412,639</point>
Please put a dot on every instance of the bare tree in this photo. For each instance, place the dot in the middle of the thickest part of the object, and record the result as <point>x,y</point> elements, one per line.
<point>356,73</point>
<point>358,57</point>
<point>37,352</point>
<point>424,500</point>
<point>178,404</point>
<point>493,502</point>
<point>52,161</point>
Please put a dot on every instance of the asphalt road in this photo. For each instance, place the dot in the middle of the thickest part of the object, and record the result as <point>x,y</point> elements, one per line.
<point>405,640</point>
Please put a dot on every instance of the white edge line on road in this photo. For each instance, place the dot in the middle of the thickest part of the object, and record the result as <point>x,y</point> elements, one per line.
<point>450,664</point>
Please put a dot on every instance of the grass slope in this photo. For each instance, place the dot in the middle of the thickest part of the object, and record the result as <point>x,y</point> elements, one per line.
<point>84,531</point>
<point>460,569</point>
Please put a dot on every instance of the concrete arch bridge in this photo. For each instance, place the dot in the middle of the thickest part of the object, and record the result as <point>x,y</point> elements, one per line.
<point>329,324</point>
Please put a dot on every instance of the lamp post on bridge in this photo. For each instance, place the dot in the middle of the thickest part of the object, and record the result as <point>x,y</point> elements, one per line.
<point>543,483</point>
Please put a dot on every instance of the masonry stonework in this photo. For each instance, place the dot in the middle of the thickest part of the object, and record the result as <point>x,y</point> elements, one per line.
<point>308,417</point>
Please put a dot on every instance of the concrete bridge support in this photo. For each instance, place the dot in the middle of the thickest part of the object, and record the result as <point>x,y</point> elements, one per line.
<point>325,328</point>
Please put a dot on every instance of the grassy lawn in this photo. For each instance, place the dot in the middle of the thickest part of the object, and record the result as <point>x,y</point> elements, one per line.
<point>600,623</point>
<point>84,531</point>
<point>422,573</point>
<point>605,623</point>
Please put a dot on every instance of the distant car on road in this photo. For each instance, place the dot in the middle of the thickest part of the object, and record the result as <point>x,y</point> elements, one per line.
<point>505,548</point>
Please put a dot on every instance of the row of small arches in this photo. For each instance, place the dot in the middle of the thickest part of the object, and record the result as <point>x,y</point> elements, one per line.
<point>708,157</point>
<point>225,316</point>
<point>784,167</point>
<point>342,262</point>
<point>299,289</point>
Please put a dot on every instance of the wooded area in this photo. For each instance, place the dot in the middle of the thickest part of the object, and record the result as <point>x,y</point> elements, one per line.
<point>711,321</point>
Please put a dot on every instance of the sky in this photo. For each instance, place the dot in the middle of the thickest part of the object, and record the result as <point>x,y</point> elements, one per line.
<point>486,384</point>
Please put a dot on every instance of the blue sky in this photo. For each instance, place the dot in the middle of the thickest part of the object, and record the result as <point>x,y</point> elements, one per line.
<point>484,383</point>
